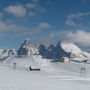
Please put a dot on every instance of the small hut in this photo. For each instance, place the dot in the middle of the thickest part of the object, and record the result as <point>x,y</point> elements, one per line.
<point>64,59</point>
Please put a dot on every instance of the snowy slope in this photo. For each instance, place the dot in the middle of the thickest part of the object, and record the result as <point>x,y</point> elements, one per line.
<point>46,65</point>
<point>75,51</point>
<point>35,61</point>
<point>70,47</point>
<point>26,80</point>
<point>53,75</point>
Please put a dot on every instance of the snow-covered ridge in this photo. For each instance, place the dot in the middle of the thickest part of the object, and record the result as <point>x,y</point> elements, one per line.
<point>4,53</point>
<point>70,47</point>
<point>73,49</point>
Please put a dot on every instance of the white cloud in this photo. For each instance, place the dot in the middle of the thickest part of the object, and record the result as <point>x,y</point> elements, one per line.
<point>35,8</point>
<point>80,37</point>
<point>43,25</point>
<point>39,28</point>
<point>31,13</point>
<point>70,18</point>
<point>22,30</point>
<point>70,22</point>
<point>32,8</point>
<point>10,27</point>
<point>16,10</point>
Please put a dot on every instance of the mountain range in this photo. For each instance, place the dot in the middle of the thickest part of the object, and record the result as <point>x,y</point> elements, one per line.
<point>61,49</point>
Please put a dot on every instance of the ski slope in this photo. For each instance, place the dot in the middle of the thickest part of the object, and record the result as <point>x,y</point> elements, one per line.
<point>53,75</point>
<point>28,80</point>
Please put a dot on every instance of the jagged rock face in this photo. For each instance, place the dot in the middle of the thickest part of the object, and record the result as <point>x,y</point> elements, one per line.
<point>27,48</point>
<point>50,52</point>
<point>42,50</point>
<point>54,52</point>
<point>61,50</point>
<point>22,51</point>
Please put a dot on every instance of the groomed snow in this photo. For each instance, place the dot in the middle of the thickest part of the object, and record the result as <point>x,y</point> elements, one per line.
<point>53,75</point>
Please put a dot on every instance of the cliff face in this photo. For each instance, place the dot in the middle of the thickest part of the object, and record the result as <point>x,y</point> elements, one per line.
<point>27,48</point>
<point>62,50</point>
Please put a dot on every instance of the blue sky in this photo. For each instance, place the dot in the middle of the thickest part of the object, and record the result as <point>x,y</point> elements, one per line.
<point>64,20</point>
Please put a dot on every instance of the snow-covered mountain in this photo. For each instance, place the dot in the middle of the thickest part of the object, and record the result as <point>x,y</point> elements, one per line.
<point>4,53</point>
<point>1,50</point>
<point>52,51</point>
<point>1,53</point>
<point>27,48</point>
<point>74,50</point>
<point>62,50</point>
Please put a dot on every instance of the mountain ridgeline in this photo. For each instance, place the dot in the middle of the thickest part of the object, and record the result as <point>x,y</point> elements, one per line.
<point>52,51</point>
